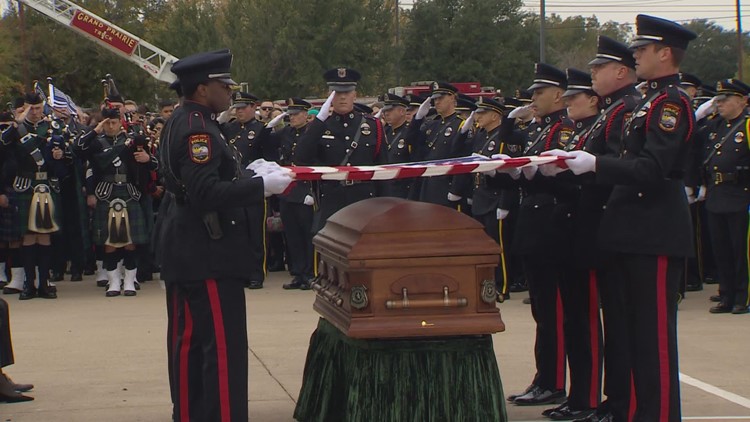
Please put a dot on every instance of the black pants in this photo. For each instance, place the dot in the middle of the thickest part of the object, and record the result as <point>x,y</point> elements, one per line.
<point>501,231</point>
<point>729,240</point>
<point>694,265</point>
<point>583,336</point>
<point>651,292</point>
<point>257,220</point>
<point>67,244</point>
<point>617,368</point>
<point>297,219</point>
<point>6,344</point>
<point>546,307</point>
<point>208,338</point>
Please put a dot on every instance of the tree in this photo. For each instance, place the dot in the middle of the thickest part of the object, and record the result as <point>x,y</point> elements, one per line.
<point>713,55</point>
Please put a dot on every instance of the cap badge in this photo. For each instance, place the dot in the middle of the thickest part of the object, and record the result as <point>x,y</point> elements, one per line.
<point>342,72</point>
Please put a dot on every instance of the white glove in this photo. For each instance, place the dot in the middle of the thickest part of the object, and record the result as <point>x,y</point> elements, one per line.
<point>524,113</point>
<point>468,124</point>
<point>581,162</point>
<point>641,85</point>
<point>529,171</point>
<point>424,108</point>
<point>705,109</point>
<point>501,214</point>
<point>689,193</point>
<point>325,109</point>
<point>276,120</point>
<point>224,116</point>
<point>453,198</point>
<point>276,182</point>
<point>309,200</point>
<point>378,114</point>
<point>514,172</point>
<point>701,193</point>
<point>261,166</point>
<point>553,169</point>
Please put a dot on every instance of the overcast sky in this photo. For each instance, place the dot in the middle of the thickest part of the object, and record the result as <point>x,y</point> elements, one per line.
<point>723,12</point>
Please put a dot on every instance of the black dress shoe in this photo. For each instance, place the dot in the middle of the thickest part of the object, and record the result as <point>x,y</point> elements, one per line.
<point>297,283</point>
<point>722,308</point>
<point>27,294</point>
<point>710,280</point>
<point>538,396</point>
<point>694,287</point>
<point>58,276</point>
<point>3,284</point>
<point>255,285</point>
<point>511,398</point>
<point>10,291</point>
<point>47,293</point>
<point>14,398</point>
<point>568,414</point>
<point>21,388</point>
<point>597,417</point>
<point>740,309</point>
<point>76,277</point>
<point>549,411</point>
<point>715,298</point>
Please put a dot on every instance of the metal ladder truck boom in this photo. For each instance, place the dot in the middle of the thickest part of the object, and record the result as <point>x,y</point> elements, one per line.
<point>157,62</point>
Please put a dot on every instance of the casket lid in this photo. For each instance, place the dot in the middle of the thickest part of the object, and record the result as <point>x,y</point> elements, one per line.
<point>381,228</point>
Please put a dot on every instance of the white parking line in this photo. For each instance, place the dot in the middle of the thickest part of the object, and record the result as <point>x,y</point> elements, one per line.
<point>716,391</point>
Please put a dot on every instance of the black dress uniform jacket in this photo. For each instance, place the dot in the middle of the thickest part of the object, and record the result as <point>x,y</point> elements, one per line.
<point>287,139</point>
<point>437,139</point>
<point>343,139</point>
<point>648,212</point>
<point>398,149</point>
<point>499,191</point>
<point>727,165</point>
<point>536,219</point>
<point>202,174</point>
<point>251,140</point>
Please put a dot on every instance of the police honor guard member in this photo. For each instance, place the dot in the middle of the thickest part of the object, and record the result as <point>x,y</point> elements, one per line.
<point>116,159</point>
<point>539,246</point>
<point>37,146</point>
<point>578,284</point>
<point>296,206</point>
<point>247,136</point>
<point>727,170</point>
<point>202,244</point>
<point>340,136</point>
<point>612,79</point>
<point>397,144</point>
<point>646,225</point>
<point>437,139</point>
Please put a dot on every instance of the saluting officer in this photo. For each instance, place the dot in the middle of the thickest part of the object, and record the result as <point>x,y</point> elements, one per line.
<point>727,169</point>
<point>397,143</point>
<point>646,225</point>
<point>539,246</point>
<point>296,206</point>
<point>340,136</point>
<point>203,242</point>
<point>440,138</point>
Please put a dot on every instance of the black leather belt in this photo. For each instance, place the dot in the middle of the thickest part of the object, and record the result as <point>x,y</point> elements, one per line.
<point>40,175</point>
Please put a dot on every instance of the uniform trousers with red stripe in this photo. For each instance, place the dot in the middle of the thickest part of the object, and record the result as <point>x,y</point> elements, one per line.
<point>546,308</point>
<point>650,286</point>
<point>583,336</point>
<point>617,372</point>
<point>208,347</point>
<point>729,240</point>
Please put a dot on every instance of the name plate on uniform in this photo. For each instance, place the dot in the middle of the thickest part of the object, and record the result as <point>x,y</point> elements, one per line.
<point>120,178</point>
<point>40,175</point>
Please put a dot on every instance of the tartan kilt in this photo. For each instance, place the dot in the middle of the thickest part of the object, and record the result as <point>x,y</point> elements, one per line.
<point>138,226</point>
<point>10,228</point>
<point>24,207</point>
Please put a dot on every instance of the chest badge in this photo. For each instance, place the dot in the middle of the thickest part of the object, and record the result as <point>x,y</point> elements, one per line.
<point>365,129</point>
<point>251,135</point>
<point>448,131</point>
<point>739,137</point>
<point>491,146</point>
<point>713,136</point>
<point>401,143</point>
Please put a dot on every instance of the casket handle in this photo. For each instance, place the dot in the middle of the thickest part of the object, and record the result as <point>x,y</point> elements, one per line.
<point>445,302</point>
<point>317,286</point>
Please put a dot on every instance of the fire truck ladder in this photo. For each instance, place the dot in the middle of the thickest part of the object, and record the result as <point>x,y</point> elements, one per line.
<point>157,62</point>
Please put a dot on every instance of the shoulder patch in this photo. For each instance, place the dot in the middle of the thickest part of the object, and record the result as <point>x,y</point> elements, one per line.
<point>670,117</point>
<point>566,134</point>
<point>199,148</point>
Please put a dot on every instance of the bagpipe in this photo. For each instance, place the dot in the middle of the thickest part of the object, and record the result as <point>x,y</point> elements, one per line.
<point>135,129</point>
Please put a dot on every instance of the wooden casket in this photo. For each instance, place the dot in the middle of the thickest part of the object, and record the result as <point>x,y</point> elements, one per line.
<point>392,268</point>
